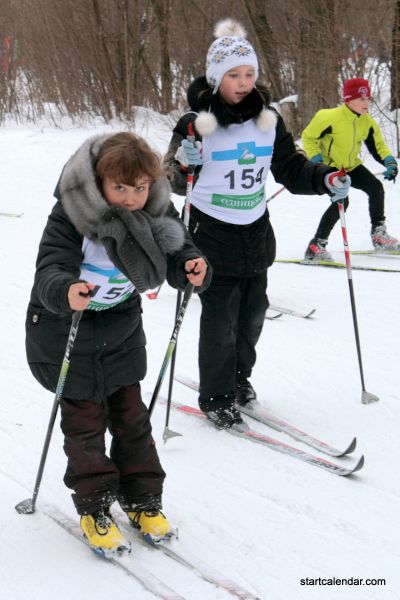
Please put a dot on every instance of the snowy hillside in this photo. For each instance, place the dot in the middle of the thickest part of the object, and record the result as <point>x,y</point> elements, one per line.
<point>263,519</point>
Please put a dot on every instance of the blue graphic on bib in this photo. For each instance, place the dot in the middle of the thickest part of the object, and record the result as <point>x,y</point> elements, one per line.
<point>111,287</point>
<point>246,153</point>
<point>114,275</point>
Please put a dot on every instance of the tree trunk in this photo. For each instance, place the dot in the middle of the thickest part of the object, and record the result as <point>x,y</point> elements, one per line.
<point>258,18</point>
<point>395,79</point>
<point>317,65</point>
<point>162,13</point>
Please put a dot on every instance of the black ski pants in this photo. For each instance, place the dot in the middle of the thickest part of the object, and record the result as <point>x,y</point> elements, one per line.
<point>361,179</point>
<point>133,470</point>
<point>233,313</point>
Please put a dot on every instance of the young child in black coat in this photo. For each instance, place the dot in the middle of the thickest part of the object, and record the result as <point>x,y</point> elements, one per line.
<point>112,233</point>
<point>239,138</point>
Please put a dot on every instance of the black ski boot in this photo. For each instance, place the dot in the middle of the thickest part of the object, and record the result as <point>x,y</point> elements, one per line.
<point>245,393</point>
<point>222,412</point>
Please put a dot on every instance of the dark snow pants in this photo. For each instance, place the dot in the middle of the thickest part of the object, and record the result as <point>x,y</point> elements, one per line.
<point>133,471</point>
<point>361,179</point>
<point>233,313</point>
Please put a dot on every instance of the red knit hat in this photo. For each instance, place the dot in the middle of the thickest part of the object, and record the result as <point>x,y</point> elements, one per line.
<point>356,88</point>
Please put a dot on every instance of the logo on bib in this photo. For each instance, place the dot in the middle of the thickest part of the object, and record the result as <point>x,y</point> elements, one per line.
<point>246,153</point>
<point>243,202</point>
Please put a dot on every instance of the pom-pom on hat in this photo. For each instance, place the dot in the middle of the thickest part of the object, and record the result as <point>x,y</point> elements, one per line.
<point>356,88</point>
<point>229,50</point>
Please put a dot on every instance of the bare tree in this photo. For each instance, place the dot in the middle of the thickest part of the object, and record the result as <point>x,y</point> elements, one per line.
<point>257,12</point>
<point>395,70</point>
<point>104,57</point>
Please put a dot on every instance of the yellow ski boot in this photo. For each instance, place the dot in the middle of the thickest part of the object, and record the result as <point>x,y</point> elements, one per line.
<point>103,534</point>
<point>151,522</point>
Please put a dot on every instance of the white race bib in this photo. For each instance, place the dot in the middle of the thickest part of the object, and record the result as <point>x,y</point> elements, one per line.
<point>231,183</point>
<point>111,286</point>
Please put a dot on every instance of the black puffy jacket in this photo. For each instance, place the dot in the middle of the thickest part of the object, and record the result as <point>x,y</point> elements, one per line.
<point>241,250</point>
<point>109,350</point>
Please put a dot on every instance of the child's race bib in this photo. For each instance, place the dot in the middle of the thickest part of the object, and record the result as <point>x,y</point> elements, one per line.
<point>111,286</point>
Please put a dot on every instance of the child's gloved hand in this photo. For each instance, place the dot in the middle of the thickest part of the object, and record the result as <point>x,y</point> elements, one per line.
<point>391,168</point>
<point>79,295</point>
<point>196,270</point>
<point>338,184</point>
<point>188,153</point>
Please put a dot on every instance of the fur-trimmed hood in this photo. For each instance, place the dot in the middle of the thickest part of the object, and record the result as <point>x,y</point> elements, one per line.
<point>213,111</point>
<point>80,195</point>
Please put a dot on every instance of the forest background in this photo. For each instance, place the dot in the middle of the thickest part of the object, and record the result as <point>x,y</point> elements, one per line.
<point>106,57</point>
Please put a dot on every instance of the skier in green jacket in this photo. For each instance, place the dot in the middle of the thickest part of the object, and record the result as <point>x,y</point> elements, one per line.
<point>334,137</point>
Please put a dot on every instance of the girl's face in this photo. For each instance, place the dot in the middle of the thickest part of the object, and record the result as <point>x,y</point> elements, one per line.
<point>360,105</point>
<point>128,196</point>
<point>237,83</point>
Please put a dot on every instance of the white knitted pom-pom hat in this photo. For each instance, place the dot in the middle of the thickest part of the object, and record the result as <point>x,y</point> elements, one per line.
<point>229,50</point>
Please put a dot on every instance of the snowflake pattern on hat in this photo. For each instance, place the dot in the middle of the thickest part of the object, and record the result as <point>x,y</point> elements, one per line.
<point>226,41</point>
<point>228,52</point>
<point>225,47</point>
<point>242,50</point>
<point>218,57</point>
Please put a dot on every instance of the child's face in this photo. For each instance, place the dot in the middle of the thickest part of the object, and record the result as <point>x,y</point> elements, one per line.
<point>237,83</point>
<point>128,196</point>
<point>360,105</point>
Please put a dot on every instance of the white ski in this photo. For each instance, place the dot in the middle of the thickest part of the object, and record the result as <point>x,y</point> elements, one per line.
<point>126,563</point>
<point>292,312</point>
<point>5,214</point>
<point>194,563</point>
<point>259,413</point>
<point>277,445</point>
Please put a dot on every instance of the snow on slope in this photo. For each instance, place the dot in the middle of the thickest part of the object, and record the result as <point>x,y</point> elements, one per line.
<point>264,519</point>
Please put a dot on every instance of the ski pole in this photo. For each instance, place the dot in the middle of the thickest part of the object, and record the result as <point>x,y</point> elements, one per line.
<point>186,216</point>
<point>171,347</point>
<point>366,397</point>
<point>276,194</point>
<point>27,507</point>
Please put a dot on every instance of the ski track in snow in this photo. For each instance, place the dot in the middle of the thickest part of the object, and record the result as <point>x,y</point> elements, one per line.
<point>264,519</point>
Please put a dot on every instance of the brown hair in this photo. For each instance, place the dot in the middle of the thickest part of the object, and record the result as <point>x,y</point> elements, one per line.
<point>124,157</point>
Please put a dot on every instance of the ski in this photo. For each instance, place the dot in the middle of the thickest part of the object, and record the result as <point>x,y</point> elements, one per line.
<point>377,253</point>
<point>194,563</point>
<point>127,564</point>
<point>278,446</point>
<point>292,312</point>
<point>334,265</point>
<point>260,414</point>
<point>270,317</point>
<point>5,214</point>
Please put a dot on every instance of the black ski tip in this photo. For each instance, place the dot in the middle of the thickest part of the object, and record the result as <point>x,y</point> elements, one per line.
<point>359,465</point>
<point>351,447</point>
<point>272,317</point>
<point>310,314</point>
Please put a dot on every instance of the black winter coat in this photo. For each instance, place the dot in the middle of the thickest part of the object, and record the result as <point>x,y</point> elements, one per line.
<point>241,250</point>
<point>109,350</point>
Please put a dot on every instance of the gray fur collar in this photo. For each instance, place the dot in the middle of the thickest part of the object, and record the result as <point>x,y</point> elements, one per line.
<point>81,197</point>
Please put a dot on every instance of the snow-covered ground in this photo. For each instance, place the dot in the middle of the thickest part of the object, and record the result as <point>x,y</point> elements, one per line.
<point>264,519</point>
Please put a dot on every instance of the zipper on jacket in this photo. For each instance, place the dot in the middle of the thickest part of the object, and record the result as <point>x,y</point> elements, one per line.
<point>354,141</point>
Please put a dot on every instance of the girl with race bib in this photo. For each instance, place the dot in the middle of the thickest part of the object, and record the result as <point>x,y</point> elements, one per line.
<point>234,138</point>
<point>112,234</point>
